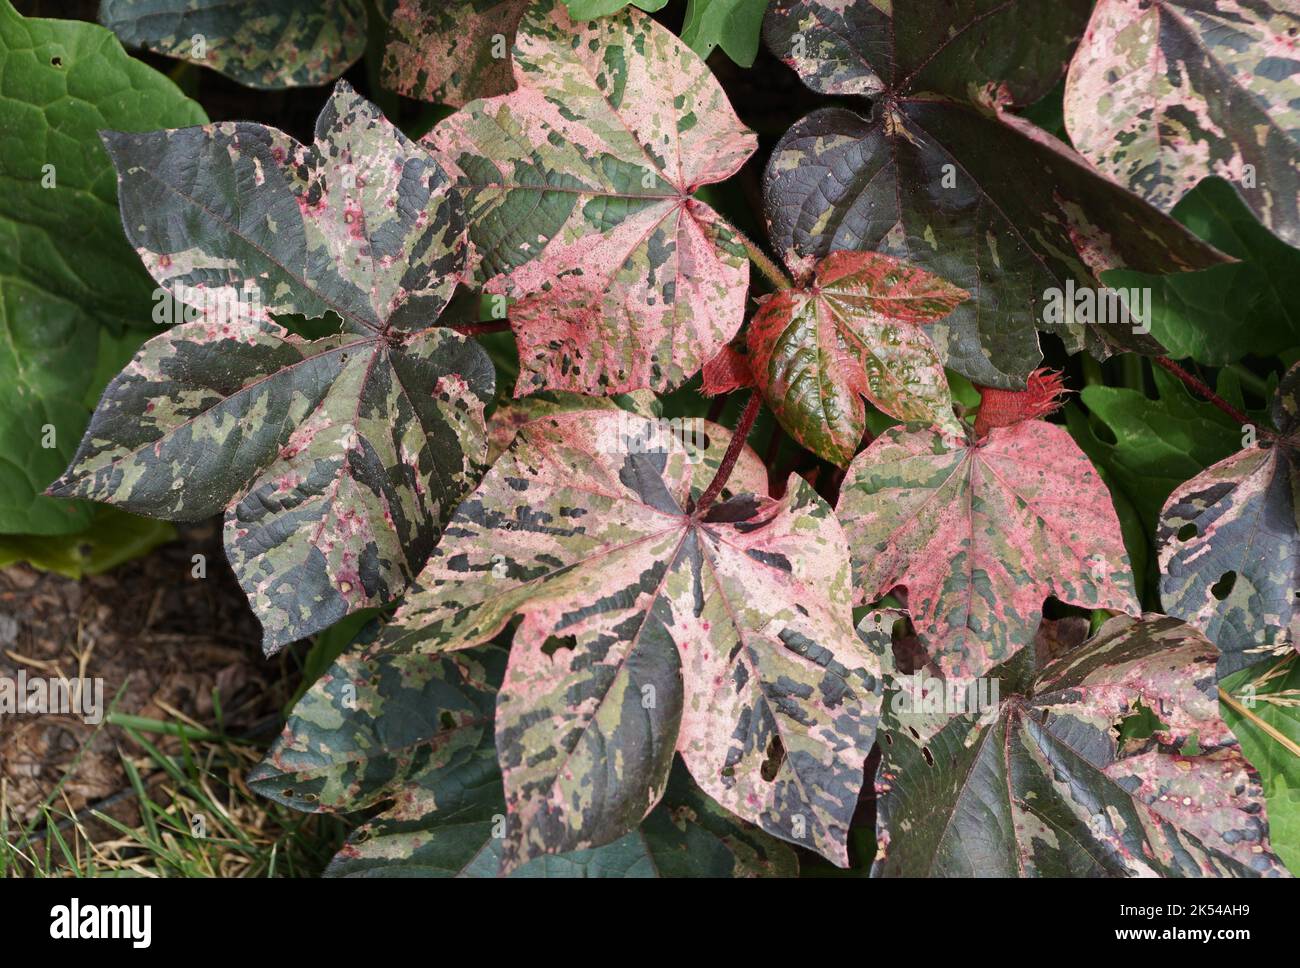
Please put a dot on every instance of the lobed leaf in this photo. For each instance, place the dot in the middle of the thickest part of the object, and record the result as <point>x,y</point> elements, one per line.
<point>648,628</point>
<point>980,534</point>
<point>1159,95</point>
<point>942,176</point>
<point>269,44</point>
<point>579,196</point>
<point>853,331</point>
<point>334,460</point>
<point>1229,544</point>
<point>1038,784</point>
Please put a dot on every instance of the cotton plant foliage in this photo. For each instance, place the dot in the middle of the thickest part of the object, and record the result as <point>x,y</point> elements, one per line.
<point>615,640</point>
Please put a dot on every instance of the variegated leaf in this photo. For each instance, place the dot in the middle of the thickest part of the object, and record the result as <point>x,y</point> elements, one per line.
<point>451,51</point>
<point>648,627</point>
<point>1037,785</point>
<point>261,43</point>
<point>1162,94</point>
<point>853,330</point>
<point>579,195</point>
<point>942,176</point>
<point>335,461</point>
<point>509,417</point>
<point>980,534</point>
<point>1229,544</point>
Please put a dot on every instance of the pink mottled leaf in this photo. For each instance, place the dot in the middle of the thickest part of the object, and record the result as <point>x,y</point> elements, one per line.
<point>647,627</point>
<point>1162,94</point>
<point>579,195</point>
<point>980,534</point>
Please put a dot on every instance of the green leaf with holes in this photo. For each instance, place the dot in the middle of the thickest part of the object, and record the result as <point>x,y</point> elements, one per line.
<point>66,271</point>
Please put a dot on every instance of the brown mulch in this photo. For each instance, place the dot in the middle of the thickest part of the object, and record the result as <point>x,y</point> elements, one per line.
<point>162,640</point>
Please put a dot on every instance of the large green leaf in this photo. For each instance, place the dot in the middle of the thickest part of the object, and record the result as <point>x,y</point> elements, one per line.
<point>1230,544</point>
<point>66,271</point>
<point>1221,314</point>
<point>733,25</point>
<point>941,175</point>
<point>579,192</point>
<point>1160,443</point>
<point>1036,784</point>
<point>261,43</point>
<point>649,627</point>
<point>1162,94</point>
<point>334,460</point>
<point>111,538</point>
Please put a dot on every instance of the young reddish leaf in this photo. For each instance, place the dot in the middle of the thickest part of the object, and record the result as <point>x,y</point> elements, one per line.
<point>578,189</point>
<point>1038,785</point>
<point>1229,544</point>
<point>648,628</point>
<point>1006,408</point>
<point>943,176</point>
<point>448,51</point>
<point>269,44</point>
<point>334,460</point>
<point>727,372</point>
<point>1160,95</point>
<point>980,534</point>
<point>853,331</point>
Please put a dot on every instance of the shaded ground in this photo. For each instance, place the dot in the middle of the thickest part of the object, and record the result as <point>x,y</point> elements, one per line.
<point>165,644</point>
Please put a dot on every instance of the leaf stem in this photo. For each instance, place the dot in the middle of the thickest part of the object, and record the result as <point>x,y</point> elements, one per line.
<point>774,273</point>
<point>1268,729</point>
<point>1199,387</point>
<point>738,438</point>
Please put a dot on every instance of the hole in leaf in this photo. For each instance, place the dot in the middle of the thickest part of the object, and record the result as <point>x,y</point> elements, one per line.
<point>1222,588</point>
<point>929,757</point>
<point>1187,532</point>
<point>889,739</point>
<point>56,61</point>
<point>1138,725</point>
<point>557,642</point>
<point>775,757</point>
<point>447,720</point>
<point>915,734</point>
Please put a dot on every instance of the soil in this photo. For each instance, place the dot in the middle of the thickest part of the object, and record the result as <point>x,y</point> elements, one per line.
<point>162,640</point>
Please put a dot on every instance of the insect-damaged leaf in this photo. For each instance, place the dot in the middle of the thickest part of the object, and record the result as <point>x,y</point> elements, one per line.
<point>942,176</point>
<point>334,460</point>
<point>578,189</point>
<point>853,330</point>
<point>1038,785</point>
<point>1229,544</point>
<point>414,729</point>
<point>647,628</point>
<point>1159,95</point>
<point>451,52</point>
<point>262,43</point>
<point>980,534</point>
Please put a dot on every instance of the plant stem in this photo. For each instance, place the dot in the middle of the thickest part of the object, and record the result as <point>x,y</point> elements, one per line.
<point>738,438</point>
<point>774,273</point>
<point>1272,732</point>
<point>478,329</point>
<point>1197,386</point>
